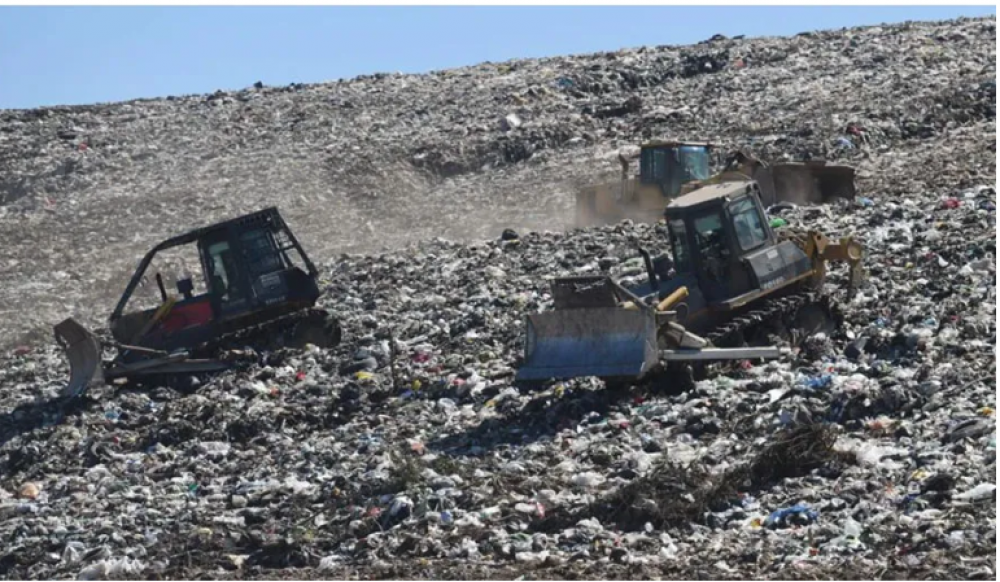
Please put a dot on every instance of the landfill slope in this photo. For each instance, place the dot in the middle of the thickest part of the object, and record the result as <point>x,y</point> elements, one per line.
<point>376,161</point>
<point>406,451</point>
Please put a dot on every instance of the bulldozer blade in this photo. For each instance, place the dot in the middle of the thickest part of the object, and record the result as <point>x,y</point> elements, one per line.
<point>806,183</point>
<point>84,353</point>
<point>605,342</point>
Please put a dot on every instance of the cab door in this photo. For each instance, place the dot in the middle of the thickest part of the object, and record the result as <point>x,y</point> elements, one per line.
<point>225,274</point>
<point>713,253</point>
<point>751,233</point>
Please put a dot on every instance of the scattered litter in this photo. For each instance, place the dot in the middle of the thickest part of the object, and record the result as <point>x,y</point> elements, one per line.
<point>408,444</point>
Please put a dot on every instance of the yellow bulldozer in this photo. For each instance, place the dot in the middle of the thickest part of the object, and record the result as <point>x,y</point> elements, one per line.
<point>669,169</point>
<point>735,285</point>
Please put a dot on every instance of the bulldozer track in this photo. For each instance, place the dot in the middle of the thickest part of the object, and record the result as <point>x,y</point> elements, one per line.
<point>733,334</point>
<point>782,309</point>
<point>275,333</point>
<point>775,310</point>
<point>310,325</point>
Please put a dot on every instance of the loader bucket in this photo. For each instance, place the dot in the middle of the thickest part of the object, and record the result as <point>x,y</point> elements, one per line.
<point>810,183</point>
<point>606,342</point>
<point>84,353</point>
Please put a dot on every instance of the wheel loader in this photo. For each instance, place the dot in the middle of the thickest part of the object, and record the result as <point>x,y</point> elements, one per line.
<point>735,286</point>
<point>668,169</point>
<point>256,285</point>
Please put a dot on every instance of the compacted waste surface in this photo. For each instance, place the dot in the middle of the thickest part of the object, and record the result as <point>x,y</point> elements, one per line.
<point>407,451</point>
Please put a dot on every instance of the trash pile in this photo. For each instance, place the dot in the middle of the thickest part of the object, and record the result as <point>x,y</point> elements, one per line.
<point>408,451</point>
<point>464,153</point>
<point>409,443</point>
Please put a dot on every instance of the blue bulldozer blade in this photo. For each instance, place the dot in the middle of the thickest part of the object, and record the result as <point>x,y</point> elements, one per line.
<point>605,342</point>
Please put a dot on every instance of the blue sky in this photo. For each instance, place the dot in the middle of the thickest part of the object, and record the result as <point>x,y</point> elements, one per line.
<point>74,55</point>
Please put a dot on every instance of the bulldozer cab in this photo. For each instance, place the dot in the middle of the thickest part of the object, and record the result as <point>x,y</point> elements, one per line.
<point>670,165</point>
<point>248,271</point>
<point>229,277</point>
<point>712,231</point>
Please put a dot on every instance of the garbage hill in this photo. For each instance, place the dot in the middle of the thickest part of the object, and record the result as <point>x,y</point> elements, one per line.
<point>378,161</point>
<point>407,451</point>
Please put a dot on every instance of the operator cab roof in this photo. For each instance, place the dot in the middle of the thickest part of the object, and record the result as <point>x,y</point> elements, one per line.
<point>707,195</point>
<point>674,143</point>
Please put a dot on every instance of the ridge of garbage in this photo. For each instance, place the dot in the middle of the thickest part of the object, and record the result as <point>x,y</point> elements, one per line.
<point>406,451</point>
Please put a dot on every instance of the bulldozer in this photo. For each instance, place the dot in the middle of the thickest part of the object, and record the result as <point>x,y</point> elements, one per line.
<point>257,285</point>
<point>668,169</point>
<point>734,285</point>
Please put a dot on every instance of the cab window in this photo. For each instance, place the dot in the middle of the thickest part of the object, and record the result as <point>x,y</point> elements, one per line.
<point>653,166</point>
<point>678,242</point>
<point>747,223</point>
<point>261,252</point>
<point>713,250</point>
<point>709,235</point>
<point>694,160</point>
<point>223,269</point>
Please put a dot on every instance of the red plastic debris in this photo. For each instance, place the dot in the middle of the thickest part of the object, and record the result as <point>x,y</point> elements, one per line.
<point>300,376</point>
<point>951,203</point>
